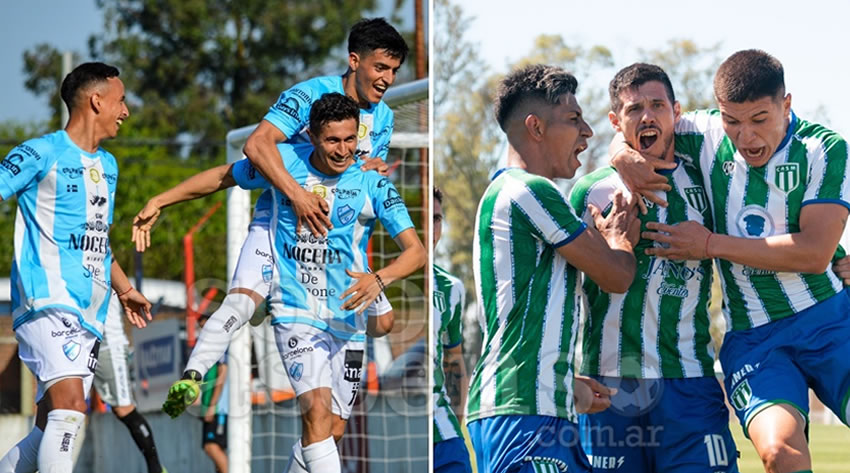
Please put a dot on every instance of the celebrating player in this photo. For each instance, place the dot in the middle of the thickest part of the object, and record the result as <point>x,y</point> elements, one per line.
<point>450,454</point>
<point>655,336</point>
<point>63,266</point>
<point>779,189</point>
<point>323,284</point>
<point>528,248</point>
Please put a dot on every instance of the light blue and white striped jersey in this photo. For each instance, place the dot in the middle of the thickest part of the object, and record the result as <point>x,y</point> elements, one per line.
<point>311,270</point>
<point>291,115</point>
<point>65,202</point>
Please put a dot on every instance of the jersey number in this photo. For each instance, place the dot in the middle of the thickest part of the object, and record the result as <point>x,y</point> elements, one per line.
<point>716,450</point>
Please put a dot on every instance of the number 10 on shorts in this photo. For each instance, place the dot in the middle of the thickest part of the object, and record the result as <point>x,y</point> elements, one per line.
<point>716,450</point>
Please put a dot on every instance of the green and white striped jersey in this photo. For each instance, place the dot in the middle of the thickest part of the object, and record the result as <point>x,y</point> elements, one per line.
<point>809,166</point>
<point>446,310</point>
<point>527,299</point>
<point>659,327</point>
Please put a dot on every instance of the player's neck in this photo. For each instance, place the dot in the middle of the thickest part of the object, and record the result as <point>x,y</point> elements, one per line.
<point>83,133</point>
<point>349,85</point>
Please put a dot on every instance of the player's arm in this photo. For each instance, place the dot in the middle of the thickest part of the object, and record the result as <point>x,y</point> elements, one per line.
<point>457,382</point>
<point>200,185</point>
<point>368,285</point>
<point>605,253</point>
<point>136,306</point>
<point>261,149</point>
<point>218,387</point>
<point>808,251</point>
<point>638,172</point>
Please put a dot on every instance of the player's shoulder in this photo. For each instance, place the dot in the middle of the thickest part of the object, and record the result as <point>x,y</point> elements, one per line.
<point>43,147</point>
<point>314,87</point>
<point>519,183</point>
<point>700,122</point>
<point>816,133</point>
<point>595,187</point>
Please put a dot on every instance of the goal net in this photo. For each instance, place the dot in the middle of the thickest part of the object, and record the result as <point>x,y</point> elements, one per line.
<point>388,428</point>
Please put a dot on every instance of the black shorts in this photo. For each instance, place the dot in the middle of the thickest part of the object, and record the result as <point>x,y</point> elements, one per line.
<point>216,431</point>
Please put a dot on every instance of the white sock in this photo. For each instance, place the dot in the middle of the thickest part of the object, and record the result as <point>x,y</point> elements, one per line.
<point>322,457</point>
<point>215,337</point>
<point>55,453</point>
<point>23,457</point>
<point>296,460</point>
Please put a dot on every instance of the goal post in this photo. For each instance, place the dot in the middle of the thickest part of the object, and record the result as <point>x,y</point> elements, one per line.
<point>408,155</point>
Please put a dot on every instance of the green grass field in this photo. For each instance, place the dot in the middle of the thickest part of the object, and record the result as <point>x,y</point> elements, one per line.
<point>830,446</point>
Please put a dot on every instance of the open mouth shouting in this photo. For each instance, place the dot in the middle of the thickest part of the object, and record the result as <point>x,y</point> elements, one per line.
<point>647,137</point>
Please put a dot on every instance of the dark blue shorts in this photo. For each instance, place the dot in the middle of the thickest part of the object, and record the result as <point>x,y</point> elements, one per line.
<point>527,444</point>
<point>661,425</point>
<point>776,363</point>
<point>451,456</point>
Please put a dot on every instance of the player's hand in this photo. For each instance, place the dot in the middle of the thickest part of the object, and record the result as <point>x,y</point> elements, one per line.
<point>683,241</point>
<point>136,307</point>
<point>363,292</point>
<point>621,228</point>
<point>591,396</point>
<point>640,175</point>
<point>842,269</point>
<point>376,164</point>
<point>143,224</point>
<point>312,211</point>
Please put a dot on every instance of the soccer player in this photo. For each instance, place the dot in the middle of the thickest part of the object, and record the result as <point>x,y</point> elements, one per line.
<point>111,380</point>
<point>450,454</point>
<point>63,266</point>
<point>528,248</point>
<point>323,284</point>
<point>779,189</point>
<point>214,406</point>
<point>654,338</point>
<point>376,51</point>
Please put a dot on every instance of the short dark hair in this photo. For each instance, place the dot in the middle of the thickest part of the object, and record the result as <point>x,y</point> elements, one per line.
<point>82,77</point>
<point>438,195</point>
<point>749,75</point>
<point>371,34</point>
<point>332,107</point>
<point>535,82</point>
<point>634,76</point>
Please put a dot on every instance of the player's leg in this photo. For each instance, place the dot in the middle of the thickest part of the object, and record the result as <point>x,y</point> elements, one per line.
<point>215,442</point>
<point>769,393</point>
<point>689,429</point>
<point>23,457</point>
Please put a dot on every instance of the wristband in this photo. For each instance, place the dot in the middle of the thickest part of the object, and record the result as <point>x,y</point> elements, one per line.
<point>380,282</point>
<point>126,292</point>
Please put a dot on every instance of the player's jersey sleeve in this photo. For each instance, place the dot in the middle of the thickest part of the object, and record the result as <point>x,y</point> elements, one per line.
<point>24,166</point>
<point>545,207</point>
<point>691,132</point>
<point>389,207</point>
<point>594,189</point>
<point>829,179</point>
<point>383,133</point>
<point>453,336</point>
<point>291,113</point>
<point>247,176</point>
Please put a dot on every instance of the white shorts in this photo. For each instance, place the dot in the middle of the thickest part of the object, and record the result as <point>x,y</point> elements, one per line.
<point>314,359</point>
<point>255,267</point>
<point>54,346</point>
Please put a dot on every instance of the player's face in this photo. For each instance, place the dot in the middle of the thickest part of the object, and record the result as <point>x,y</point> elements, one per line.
<point>374,73</point>
<point>647,119</point>
<point>114,109</point>
<point>335,145</point>
<point>438,221</point>
<point>756,127</point>
<point>565,136</point>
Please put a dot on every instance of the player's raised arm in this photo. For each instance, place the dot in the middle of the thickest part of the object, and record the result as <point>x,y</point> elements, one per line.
<point>200,185</point>
<point>261,149</point>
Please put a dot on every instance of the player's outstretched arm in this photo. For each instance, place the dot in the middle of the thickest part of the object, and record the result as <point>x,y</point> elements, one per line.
<point>261,150</point>
<point>808,251</point>
<point>605,253</point>
<point>136,306</point>
<point>639,173</point>
<point>367,286</point>
<point>202,184</point>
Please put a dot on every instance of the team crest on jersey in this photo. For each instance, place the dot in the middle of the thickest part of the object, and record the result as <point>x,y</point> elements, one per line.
<point>267,273</point>
<point>362,130</point>
<point>754,222</point>
<point>345,214</point>
<point>320,191</point>
<point>296,371</point>
<point>741,395</point>
<point>94,175</point>
<point>787,177</point>
<point>72,350</point>
<point>696,198</point>
<point>728,167</point>
<point>439,301</point>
